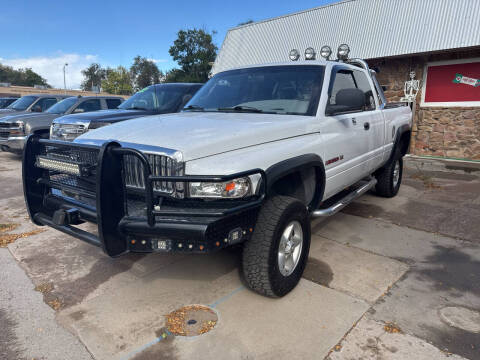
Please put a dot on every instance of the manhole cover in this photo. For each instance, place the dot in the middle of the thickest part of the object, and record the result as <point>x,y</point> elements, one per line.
<point>191,320</point>
<point>461,318</point>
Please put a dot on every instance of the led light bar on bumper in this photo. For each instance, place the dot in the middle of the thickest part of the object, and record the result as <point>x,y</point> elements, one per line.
<point>71,168</point>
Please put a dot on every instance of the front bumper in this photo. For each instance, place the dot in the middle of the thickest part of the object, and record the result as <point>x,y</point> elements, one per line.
<point>165,224</point>
<point>13,144</point>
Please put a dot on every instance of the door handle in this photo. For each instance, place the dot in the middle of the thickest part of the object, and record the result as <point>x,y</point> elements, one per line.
<point>366,126</point>
<point>354,121</point>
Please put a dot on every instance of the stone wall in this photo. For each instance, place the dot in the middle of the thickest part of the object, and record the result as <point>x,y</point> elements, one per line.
<point>447,132</point>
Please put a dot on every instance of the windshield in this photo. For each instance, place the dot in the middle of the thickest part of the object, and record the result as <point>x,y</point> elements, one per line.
<point>156,98</point>
<point>23,103</point>
<point>270,89</point>
<point>62,106</point>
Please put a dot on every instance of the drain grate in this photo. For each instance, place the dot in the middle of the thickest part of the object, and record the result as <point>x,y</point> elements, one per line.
<point>191,320</point>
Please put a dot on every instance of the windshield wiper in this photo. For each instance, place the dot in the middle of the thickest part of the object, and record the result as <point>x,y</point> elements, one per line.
<point>136,108</point>
<point>194,108</point>
<point>241,108</point>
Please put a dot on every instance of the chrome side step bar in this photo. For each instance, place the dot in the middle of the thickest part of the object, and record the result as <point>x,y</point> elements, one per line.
<point>339,205</point>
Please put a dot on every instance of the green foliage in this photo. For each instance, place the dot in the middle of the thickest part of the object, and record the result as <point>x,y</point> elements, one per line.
<point>117,81</point>
<point>93,76</point>
<point>194,51</point>
<point>21,77</point>
<point>249,21</point>
<point>144,73</point>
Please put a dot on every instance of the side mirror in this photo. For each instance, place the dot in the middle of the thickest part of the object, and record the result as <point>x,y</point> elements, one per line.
<point>37,108</point>
<point>185,100</point>
<point>78,111</point>
<point>347,101</point>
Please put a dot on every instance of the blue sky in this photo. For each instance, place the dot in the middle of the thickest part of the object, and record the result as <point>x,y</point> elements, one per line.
<point>46,34</point>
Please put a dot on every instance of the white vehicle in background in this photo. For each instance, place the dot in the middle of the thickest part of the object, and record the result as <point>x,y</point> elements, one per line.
<point>255,154</point>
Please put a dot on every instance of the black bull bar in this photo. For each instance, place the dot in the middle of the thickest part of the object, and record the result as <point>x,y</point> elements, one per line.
<point>116,227</point>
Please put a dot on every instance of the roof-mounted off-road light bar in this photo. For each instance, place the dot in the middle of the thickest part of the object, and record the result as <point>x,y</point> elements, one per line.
<point>325,52</point>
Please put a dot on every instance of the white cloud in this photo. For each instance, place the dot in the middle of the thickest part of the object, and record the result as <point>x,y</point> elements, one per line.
<point>158,60</point>
<point>51,67</point>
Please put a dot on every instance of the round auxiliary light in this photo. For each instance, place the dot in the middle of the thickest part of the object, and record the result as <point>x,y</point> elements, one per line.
<point>310,53</point>
<point>294,55</point>
<point>343,51</point>
<point>325,52</point>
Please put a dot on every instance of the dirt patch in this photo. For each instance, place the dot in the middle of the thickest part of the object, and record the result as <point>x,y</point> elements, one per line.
<point>392,328</point>
<point>6,239</point>
<point>191,320</point>
<point>8,227</point>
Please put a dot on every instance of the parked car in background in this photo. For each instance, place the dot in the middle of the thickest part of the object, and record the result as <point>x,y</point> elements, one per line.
<point>31,103</point>
<point>15,128</point>
<point>5,101</point>
<point>155,99</point>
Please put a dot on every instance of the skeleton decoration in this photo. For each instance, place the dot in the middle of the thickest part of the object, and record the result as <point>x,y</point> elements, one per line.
<point>411,88</point>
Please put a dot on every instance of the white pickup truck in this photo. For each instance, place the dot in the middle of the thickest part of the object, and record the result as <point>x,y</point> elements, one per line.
<point>255,154</point>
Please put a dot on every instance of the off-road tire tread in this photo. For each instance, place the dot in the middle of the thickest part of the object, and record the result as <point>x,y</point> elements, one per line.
<point>256,251</point>
<point>385,177</point>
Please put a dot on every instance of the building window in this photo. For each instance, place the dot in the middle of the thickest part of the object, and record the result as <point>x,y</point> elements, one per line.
<point>451,83</point>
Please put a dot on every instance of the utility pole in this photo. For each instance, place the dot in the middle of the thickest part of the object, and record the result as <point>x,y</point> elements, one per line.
<point>64,82</point>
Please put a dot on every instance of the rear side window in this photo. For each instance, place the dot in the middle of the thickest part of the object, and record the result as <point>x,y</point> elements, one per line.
<point>364,85</point>
<point>90,105</point>
<point>45,103</point>
<point>113,103</point>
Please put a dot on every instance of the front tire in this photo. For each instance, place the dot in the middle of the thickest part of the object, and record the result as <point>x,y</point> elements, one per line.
<point>275,257</point>
<point>389,178</point>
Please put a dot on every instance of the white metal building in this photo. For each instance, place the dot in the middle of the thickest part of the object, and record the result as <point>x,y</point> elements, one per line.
<point>437,39</point>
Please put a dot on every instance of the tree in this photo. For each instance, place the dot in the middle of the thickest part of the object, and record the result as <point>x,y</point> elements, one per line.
<point>21,77</point>
<point>117,81</point>
<point>144,73</point>
<point>194,51</point>
<point>92,76</point>
<point>249,21</point>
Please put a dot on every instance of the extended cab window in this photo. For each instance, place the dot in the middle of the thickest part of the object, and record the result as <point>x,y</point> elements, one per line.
<point>45,103</point>
<point>89,105</point>
<point>291,90</point>
<point>113,103</point>
<point>363,84</point>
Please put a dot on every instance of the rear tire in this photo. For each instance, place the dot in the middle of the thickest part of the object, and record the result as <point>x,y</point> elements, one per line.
<point>275,257</point>
<point>389,178</point>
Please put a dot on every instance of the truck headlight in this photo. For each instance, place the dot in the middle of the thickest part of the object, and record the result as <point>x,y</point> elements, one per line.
<point>19,129</point>
<point>233,189</point>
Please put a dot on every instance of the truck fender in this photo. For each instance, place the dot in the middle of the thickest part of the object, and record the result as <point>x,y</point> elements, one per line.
<point>399,135</point>
<point>297,164</point>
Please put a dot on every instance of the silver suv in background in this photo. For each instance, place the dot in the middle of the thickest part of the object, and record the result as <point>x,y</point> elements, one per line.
<point>31,103</point>
<point>15,128</point>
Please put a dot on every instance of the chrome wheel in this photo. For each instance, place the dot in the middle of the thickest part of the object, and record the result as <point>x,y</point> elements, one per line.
<point>290,248</point>
<point>396,174</point>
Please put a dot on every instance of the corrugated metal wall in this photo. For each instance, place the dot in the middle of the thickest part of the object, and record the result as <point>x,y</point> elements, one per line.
<point>372,28</point>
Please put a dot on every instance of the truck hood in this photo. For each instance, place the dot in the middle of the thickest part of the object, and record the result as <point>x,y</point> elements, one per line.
<point>197,134</point>
<point>110,116</point>
<point>7,112</point>
<point>27,117</point>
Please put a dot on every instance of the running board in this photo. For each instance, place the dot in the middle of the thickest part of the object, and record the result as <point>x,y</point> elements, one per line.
<point>339,205</point>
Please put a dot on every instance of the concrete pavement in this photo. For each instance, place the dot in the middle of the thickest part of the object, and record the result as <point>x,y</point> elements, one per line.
<point>365,271</point>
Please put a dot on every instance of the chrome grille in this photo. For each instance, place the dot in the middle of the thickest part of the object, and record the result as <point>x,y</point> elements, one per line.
<point>67,132</point>
<point>5,125</point>
<point>4,134</point>
<point>160,165</point>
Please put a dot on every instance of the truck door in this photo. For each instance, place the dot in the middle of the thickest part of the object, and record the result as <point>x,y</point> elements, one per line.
<point>346,137</point>
<point>375,132</point>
